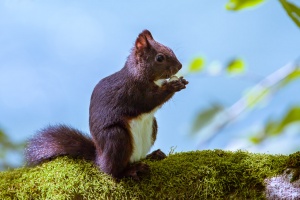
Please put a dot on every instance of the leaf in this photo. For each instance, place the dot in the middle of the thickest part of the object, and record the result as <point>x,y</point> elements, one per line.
<point>256,139</point>
<point>292,116</point>
<point>277,127</point>
<point>291,77</point>
<point>197,65</point>
<point>236,66</point>
<point>205,116</point>
<point>271,128</point>
<point>2,136</point>
<point>236,5</point>
<point>292,10</point>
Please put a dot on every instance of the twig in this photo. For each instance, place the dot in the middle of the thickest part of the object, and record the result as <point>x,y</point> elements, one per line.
<point>265,88</point>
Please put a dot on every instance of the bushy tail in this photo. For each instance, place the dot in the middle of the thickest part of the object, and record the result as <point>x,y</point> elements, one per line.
<point>60,140</point>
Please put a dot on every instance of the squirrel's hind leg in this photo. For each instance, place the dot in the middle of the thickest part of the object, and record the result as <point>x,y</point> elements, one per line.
<point>114,149</point>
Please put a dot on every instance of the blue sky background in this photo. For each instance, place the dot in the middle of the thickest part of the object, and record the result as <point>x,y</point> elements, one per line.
<point>53,53</point>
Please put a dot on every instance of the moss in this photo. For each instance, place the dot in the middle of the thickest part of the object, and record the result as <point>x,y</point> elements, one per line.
<point>294,160</point>
<point>294,163</point>
<point>191,175</point>
<point>296,175</point>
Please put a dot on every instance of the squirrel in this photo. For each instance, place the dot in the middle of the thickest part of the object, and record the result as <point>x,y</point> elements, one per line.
<point>121,115</point>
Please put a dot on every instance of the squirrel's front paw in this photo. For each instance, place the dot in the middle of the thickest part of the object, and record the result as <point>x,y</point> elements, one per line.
<point>176,85</point>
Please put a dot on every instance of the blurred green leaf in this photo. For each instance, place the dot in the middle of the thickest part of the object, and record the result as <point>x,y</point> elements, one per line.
<point>291,77</point>
<point>2,135</point>
<point>205,116</point>
<point>256,139</point>
<point>292,116</point>
<point>273,128</point>
<point>197,65</point>
<point>8,146</point>
<point>292,10</point>
<point>236,66</point>
<point>263,92</point>
<point>236,5</point>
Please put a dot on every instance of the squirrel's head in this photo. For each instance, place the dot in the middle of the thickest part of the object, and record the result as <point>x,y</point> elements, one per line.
<point>154,60</point>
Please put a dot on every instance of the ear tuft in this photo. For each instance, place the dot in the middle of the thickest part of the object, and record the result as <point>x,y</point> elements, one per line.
<point>142,42</point>
<point>147,34</point>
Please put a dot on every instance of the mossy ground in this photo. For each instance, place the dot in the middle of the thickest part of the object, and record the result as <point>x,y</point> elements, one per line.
<point>191,175</point>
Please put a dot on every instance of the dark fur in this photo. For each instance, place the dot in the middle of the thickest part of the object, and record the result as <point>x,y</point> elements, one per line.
<point>56,141</point>
<point>116,100</point>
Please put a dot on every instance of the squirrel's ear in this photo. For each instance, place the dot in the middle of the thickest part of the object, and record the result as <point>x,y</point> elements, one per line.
<point>147,34</point>
<point>142,42</point>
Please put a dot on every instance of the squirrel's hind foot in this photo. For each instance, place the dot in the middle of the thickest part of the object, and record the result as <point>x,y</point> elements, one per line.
<point>156,155</point>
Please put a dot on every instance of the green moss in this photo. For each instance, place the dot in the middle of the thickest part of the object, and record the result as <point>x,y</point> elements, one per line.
<point>191,175</point>
<point>296,175</point>
<point>293,162</point>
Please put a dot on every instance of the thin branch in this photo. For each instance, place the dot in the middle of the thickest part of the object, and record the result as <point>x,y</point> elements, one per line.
<point>266,88</point>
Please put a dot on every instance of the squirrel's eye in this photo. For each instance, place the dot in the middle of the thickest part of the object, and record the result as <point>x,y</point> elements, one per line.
<point>160,58</point>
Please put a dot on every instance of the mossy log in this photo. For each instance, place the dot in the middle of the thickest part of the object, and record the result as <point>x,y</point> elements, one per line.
<point>205,174</point>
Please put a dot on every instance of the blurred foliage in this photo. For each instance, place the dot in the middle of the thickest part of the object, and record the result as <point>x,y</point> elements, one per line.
<point>197,65</point>
<point>236,66</point>
<point>276,127</point>
<point>205,116</point>
<point>7,146</point>
<point>295,74</point>
<point>291,9</point>
<point>214,118</point>
<point>236,5</point>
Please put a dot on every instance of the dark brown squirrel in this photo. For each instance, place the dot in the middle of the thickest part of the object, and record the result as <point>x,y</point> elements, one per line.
<point>121,115</point>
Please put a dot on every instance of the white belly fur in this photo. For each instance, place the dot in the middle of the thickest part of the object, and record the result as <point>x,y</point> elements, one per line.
<point>141,130</point>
